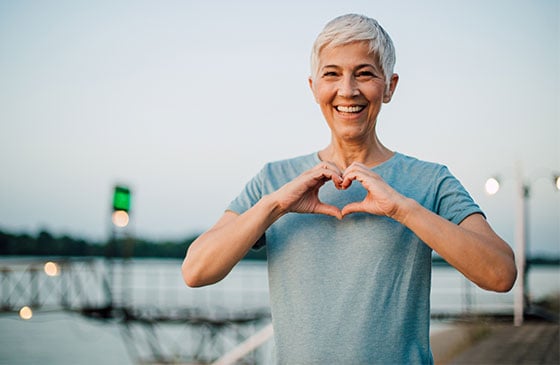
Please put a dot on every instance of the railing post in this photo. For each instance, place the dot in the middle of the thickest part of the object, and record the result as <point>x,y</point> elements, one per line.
<point>34,278</point>
<point>520,243</point>
<point>5,272</point>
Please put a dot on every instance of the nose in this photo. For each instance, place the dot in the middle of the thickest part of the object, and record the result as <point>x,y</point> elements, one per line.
<point>348,87</point>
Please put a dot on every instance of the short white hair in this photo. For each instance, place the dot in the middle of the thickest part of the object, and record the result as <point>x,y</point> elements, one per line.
<point>351,28</point>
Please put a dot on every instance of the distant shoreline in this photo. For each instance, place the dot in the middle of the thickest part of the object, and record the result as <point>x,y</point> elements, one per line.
<point>45,244</point>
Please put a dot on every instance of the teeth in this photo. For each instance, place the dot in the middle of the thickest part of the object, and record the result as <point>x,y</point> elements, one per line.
<point>349,109</point>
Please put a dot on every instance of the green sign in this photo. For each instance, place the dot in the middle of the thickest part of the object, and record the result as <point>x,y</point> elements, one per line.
<point>121,198</point>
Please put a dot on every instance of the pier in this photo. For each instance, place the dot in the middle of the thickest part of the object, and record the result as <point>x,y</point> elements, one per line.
<point>103,290</point>
<point>161,321</point>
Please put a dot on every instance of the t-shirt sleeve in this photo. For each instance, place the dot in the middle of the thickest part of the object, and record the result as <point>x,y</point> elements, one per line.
<point>248,197</point>
<point>453,202</point>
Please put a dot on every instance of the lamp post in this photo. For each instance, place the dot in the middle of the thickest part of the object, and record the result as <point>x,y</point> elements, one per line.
<point>119,219</point>
<point>523,190</point>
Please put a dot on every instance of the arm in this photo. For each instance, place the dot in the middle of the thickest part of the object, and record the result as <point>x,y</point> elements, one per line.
<point>214,253</point>
<point>472,247</point>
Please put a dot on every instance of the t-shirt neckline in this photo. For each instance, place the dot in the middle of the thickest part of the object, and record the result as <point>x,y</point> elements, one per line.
<point>383,164</point>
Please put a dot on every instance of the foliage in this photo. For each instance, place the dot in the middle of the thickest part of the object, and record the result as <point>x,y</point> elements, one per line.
<point>45,244</point>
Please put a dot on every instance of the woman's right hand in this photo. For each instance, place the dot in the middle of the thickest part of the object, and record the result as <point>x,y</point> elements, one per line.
<point>301,195</point>
<point>215,252</point>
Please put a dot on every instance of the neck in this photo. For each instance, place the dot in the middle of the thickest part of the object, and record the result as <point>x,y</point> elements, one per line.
<point>344,154</point>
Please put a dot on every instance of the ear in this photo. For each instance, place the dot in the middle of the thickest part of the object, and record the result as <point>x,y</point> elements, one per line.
<point>310,81</point>
<point>392,87</point>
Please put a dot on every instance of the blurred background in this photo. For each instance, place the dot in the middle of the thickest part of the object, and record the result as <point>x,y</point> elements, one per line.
<point>182,102</point>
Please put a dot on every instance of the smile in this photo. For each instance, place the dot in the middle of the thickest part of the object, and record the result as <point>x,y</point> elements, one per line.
<point>350,109</point>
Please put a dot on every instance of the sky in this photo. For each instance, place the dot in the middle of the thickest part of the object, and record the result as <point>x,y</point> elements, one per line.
<point>184,101</point>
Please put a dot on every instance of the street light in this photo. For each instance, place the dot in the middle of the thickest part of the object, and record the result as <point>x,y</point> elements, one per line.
<point>492,186</point>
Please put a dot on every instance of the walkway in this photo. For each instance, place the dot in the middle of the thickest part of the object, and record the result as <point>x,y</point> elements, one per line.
<point>533,343</point>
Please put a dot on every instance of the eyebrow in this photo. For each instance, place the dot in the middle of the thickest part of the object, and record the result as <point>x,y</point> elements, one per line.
<point>358,67</point>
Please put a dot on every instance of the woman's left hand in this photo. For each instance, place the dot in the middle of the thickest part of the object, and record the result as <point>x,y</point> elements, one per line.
<point>381,199</point>
<point>472,247</point>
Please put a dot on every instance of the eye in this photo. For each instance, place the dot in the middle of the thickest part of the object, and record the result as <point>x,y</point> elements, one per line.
<point>330,74</point>
<point>365,74</point>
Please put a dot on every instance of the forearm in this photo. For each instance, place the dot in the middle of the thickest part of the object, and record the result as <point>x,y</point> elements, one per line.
<point>471,247</point>
<point>214,253</point>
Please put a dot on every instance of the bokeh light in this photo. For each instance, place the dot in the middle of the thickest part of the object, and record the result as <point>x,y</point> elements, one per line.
<point>120,218</point>
<point>25,313</point>
<point>492,186</point>
<point>51,268</point>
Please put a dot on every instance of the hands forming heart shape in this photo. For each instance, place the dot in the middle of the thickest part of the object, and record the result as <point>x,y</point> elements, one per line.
<point>301,195</point>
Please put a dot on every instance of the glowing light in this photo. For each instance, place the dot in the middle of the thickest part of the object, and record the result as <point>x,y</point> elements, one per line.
<point>120,218</point>
<point>25,313</point>
<point>121,199</point>
<point>492,186</point>
<point>51,269</point>
<point>557,182</point>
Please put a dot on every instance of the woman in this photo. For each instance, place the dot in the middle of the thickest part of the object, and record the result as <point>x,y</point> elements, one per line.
<point>349,231</point>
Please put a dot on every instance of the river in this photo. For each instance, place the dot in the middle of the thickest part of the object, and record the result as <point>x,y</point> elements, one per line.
<point>55,336</point>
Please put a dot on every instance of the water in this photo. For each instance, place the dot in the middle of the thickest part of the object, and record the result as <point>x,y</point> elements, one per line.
<point>60,338</point>
<point>53,336</point>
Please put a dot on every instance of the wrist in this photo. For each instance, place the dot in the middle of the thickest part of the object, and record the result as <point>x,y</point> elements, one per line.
<point>405,209</point>
<point>272,207</point>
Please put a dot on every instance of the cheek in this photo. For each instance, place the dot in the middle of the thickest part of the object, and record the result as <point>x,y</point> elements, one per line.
<point>323,94</point>
<point>376,98</point>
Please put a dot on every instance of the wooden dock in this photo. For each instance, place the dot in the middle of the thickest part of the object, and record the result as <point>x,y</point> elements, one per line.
<point>533,343</point>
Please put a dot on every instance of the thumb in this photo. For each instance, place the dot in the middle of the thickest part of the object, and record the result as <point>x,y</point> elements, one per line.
<point>356,207</point>
<point>328,210</point>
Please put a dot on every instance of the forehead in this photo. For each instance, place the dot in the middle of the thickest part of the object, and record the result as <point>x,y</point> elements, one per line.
<point>350,54</point>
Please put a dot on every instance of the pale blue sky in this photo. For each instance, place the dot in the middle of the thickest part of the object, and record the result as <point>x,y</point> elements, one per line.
<point>185,100</point>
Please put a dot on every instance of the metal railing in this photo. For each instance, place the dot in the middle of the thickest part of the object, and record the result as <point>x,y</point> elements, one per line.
<point>161,320</point>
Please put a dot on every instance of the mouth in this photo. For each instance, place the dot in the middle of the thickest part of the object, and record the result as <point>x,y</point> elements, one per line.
<point>350,108</point>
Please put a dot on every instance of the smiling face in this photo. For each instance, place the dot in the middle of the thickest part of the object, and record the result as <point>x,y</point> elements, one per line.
<point>350,89</point>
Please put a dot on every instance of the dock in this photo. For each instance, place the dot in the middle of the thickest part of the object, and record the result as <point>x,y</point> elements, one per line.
<point>533,343</point>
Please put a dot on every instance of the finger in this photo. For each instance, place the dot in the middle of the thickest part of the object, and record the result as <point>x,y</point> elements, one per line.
<point>346,182</point>
<point>328,210</point>
<point>355,166</point>
<point>329,165</point>
<point>322,176</point>
<point>330,171</point>
<point>357,169</point>
<point>363,175</point>
<point>349,177</point>
<point>357,207</point>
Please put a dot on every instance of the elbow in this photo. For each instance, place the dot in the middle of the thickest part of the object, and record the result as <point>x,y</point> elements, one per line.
<point>508,274</point>
<point>202,267</point>
<point>503,278</point>
<point>198,273</point>
<point>508,280</point>
<point>505,284</point>
<point>503,273</point>
<point>191,276</point>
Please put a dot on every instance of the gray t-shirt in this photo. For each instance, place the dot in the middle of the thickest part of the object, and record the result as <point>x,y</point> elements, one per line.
<point>354,291</point>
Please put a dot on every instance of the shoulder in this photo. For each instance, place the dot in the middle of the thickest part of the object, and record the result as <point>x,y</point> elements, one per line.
<point>409,165</point>
<point>418,179</point>
<point>292,166</point>
<point>432,185</point>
